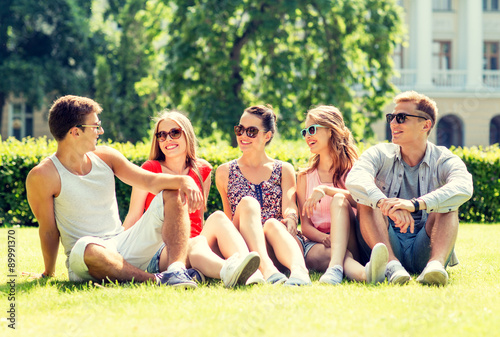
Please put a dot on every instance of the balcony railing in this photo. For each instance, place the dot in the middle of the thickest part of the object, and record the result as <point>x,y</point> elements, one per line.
<point>445,79</point>
<point>491,78</point>
<point>452,79</point>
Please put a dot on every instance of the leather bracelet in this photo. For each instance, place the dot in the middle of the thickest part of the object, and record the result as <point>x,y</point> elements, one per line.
<point>416,205</point>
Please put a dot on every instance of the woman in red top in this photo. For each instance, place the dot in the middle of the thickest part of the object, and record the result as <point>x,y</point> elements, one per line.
<point>173,151</point>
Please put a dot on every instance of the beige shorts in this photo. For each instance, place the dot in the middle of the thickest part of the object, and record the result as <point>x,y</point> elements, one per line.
<point>137,245</point>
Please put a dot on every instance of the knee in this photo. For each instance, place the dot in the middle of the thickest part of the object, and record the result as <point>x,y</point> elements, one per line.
<point>197,242</point>
<point>339,200</point>
<point>249,205</point>
<point>317,261</point>
<point>94,254</point>
<point>272,227</point>
<point>171,196</point>
<point>218,217</point>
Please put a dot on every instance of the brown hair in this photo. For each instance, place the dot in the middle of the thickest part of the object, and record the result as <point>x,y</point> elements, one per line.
<point>267,115</point>
<point>342,149</point>
<point>191,142</point>
<point>423,103</point>
<point>68,112</point>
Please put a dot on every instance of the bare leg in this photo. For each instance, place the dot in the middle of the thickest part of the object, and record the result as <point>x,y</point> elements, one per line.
<point>104,264</point>
<point>353,270</point>
<point>247,220</point>
<point>176,227</point>
<point>374,227</point>
<point>318,257</point>
<point>442,228</point>
<point>203,258</point>
<point>285,246</point>
<point>339,228</point>
<point>222,236</point>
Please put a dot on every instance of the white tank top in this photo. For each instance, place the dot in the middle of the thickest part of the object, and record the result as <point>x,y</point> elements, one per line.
<point>86,205</point>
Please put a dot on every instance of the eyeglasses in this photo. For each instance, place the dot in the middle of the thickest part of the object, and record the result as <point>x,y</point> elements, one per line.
<point>400,117</point>
<point>311,130</point>
<point>97,126</point>
<point>251,131</point>
<point>174,133</point>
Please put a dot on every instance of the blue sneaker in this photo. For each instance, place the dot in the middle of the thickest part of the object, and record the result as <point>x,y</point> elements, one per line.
<point>196,275</point>
<point>178,279</point>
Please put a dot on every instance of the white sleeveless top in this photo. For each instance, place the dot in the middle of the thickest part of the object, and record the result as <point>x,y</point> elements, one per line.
<point>86,205</point>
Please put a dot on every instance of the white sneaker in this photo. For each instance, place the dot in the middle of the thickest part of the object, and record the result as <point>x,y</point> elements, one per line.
<point>433,274</point>
<point>256,278</point>
<point>375,268</point>
<point>299,277</point>
<point>237,270</point>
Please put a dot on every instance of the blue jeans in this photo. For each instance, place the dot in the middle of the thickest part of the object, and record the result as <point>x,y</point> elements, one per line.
<point>413,250</point>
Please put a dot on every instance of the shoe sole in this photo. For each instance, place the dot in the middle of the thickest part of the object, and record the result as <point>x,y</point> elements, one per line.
<point>246,269</point>
<point>402,279</point>
<point>435,277</point>
<point>186,285</point>
<point>378,262</point>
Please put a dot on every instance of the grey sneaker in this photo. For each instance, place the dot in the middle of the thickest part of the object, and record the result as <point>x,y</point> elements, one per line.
<point>375,268</point>
<point>177,279</point>
<point>333,275</point>
<point>277,278</point>
<point>396,274</point>
<point>433,274</point>
<point>237,270</point>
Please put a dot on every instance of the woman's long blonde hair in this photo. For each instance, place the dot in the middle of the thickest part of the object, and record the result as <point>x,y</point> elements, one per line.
<point>191,142</point>
<point>342,149</point>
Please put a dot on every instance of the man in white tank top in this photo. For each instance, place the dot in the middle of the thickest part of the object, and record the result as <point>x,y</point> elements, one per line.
<point>72,195</point>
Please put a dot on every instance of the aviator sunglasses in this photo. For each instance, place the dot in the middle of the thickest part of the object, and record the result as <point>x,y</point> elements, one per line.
<point>400,117</point>
<point>311,130</point>
<point>174,133</point>
<point>251,131</point>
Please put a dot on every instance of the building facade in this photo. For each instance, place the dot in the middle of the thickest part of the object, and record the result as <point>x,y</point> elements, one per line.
<point>453,56</point>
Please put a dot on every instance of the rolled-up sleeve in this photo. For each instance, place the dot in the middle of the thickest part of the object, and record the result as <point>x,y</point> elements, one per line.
<point>455,189</point>
<point>361,179</point>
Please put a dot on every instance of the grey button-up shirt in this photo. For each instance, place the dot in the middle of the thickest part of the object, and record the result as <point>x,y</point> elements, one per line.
<point>445,183</point>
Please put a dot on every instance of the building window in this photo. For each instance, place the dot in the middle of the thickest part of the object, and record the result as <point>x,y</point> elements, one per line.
<point>491,56</point>
<point>450,131</point>
<point>495,130</point>
<point>441,5</point>
<point>397,56</point>
<point>441,55</point>
<point>490,5</point>
<point>20,120</point>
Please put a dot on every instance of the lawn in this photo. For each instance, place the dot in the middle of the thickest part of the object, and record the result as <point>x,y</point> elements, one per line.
<point>468,306</point>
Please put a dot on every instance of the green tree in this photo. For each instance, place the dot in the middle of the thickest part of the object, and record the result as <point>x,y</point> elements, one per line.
<point>222,56</point>
<point>45,49</point>
<point>126,68</point>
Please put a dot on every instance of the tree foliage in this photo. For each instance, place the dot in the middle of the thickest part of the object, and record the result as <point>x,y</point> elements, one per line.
<point>124,82</point>
<point>44,49</point>
<point>222,56</point>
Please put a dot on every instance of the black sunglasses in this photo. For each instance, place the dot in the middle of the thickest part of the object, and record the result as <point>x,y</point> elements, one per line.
<point>400,117</point>
<point>174,133</point>
<point>311,130</point>
<point>251,131</point>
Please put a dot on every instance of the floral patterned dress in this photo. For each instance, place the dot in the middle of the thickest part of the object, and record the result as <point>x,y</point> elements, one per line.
<point>268,193</point>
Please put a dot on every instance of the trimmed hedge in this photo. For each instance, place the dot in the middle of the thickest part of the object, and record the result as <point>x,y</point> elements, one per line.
<point>17,158</point>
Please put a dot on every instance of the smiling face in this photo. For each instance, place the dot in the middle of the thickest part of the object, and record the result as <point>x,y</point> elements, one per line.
<point>172,147</point>
<point>318,143</point>
<point>91,134</point>
<point>259,142</point>
<point>413,130</point>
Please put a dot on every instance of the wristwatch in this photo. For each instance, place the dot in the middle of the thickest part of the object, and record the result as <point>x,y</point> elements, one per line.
<point>416,204</point>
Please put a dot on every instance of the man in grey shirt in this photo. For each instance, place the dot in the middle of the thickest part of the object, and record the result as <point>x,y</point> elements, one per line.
<point>408,194</point>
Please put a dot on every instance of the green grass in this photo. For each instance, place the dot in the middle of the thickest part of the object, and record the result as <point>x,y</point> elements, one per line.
<point>468,306</point>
